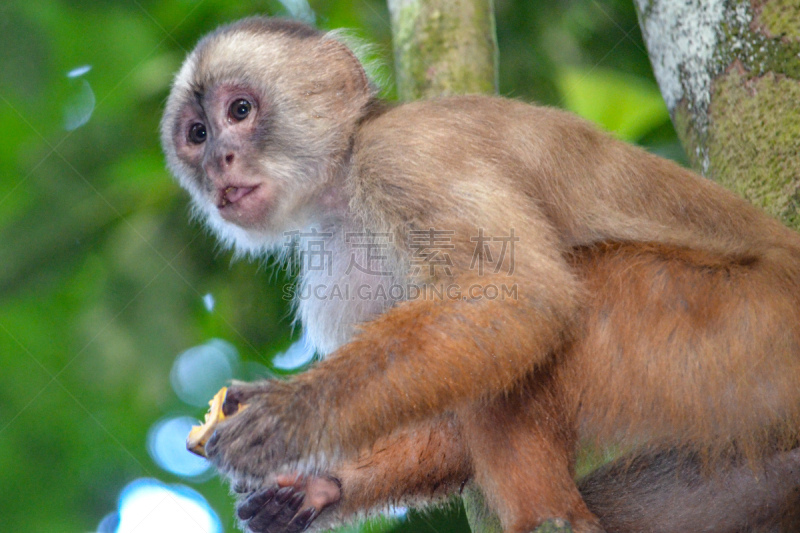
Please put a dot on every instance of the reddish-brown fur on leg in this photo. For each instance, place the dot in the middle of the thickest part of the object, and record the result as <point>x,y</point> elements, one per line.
<point>423,463</point>
<point>522,446</point>
<point>689,349</point>
<point>521,443</point>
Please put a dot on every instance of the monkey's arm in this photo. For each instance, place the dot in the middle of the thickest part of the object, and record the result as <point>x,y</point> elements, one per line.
<point>413,467</point>
<point>416,361</point>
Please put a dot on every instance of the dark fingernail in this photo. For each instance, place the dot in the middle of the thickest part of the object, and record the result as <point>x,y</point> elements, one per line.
<point>296,500</point>
<point>303,520</point>
<point>230,406</point>
<point>283,495</point>
<point>252,504</point>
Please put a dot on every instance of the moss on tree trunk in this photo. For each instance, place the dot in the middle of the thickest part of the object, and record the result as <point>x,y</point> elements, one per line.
<point>730,74</point>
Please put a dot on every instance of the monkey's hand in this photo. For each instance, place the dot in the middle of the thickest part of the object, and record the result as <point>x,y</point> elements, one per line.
<point>290,504</point>
<point>260,439</point>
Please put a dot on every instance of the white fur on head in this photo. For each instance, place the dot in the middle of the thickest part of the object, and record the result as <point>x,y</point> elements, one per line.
<point>298,74</point>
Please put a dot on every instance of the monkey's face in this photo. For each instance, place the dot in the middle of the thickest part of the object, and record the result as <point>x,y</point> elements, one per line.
<point>257,126</point>
<point>217,136</point>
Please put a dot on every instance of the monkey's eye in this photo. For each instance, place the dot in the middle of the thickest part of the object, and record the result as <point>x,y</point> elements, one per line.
<point>197,133</point>
<point>240,109</point>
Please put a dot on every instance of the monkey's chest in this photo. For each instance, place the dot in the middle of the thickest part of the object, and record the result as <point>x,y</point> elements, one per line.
<point>333,302</point>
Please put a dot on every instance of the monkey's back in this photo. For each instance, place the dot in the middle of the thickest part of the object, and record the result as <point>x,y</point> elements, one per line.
<point>442,153</point>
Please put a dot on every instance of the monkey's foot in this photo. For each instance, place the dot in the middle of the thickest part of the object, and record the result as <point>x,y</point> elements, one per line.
<point>290,505</point>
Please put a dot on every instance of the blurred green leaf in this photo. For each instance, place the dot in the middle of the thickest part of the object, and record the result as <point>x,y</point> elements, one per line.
<point>627,105</point>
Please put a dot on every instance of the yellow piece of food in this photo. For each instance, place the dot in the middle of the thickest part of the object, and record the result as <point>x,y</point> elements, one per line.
<point>199,435</point>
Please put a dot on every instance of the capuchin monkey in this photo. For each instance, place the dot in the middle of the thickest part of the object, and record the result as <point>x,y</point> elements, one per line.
<point>500,288</point>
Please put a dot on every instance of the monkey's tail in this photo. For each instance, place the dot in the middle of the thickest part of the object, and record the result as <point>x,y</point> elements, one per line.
<point>673,492</point>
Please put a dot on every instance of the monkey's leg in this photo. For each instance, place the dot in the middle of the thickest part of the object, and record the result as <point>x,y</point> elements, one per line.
<point>522,447</point>
<point>415,466</point>
<point>417,360</point>
<point>669,492</point>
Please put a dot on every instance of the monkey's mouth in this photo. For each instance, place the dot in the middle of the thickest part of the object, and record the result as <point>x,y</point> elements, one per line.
<point>231,194</point>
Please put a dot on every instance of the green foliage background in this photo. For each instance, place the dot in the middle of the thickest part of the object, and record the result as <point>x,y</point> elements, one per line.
<point>103,274</point>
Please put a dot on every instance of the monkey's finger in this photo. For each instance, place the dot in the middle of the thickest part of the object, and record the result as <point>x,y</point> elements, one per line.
<point>233,400</point>
<point>264,514</point>
<point>278,512</point>
<point>254,502</point>
<point>302,520</point>
<point>281,522</point>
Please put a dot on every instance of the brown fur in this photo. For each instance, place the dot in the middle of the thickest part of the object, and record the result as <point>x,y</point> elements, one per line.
<point>655,312</point>
<point>603,394</point>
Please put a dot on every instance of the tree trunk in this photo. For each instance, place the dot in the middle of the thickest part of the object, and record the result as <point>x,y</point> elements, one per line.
<point>444,47</point>
<point>729,73</point>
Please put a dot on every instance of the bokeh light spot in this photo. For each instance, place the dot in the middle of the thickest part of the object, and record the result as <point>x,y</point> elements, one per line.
<point>80,101</point>
<point>109,523</point>
<point>300,10</point>
<point>166,443</point>
<point>300,353</point>
<point>77,72</point>
<point>152,506</point>
<point>208,302</point>
<point>199,372</point>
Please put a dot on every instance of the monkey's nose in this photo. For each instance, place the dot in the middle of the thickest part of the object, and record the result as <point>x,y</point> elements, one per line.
<point>218,161</point>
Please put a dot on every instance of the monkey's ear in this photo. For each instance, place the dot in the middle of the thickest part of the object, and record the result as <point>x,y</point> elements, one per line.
<point>348,79</point>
